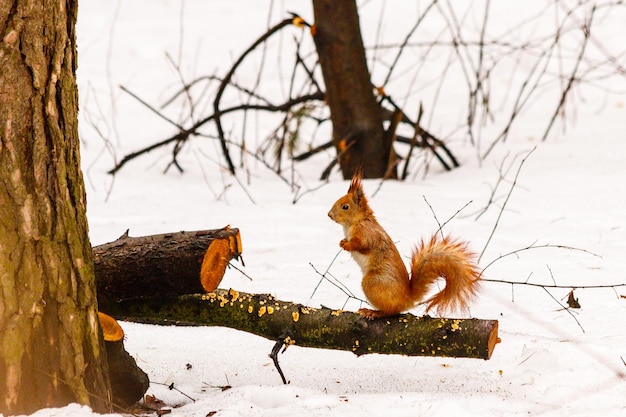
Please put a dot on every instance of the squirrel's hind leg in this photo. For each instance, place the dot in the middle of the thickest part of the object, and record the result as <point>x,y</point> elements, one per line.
<point>372,314</point>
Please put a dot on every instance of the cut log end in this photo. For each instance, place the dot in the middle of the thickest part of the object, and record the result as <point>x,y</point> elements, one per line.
<point>494,339</point>
<point>171,263</point>
<point>111,330</point>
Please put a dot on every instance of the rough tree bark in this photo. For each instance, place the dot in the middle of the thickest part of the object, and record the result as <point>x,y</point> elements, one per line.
<point>358,133</point>
<point>51,349</point>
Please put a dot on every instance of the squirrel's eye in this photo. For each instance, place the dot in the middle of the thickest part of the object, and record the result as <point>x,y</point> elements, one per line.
<point>345,207</point>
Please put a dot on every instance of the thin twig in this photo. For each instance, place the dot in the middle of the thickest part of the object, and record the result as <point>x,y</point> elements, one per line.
<point>185,133</point>
<point>416,132</point>
<point>439,229</point>
<point>573,76</point>
<point>564,308</point>
<point>298,195</point>
<point>233,84</point>
<point>151,108</point>
<point>442,225</point>
<point>225,83</point>
<point>406,40</point>
<point>534,246</point>
<point>456,213</point>
<point>181,78</point>
<point>473,101</point>
<point>235,267</point>
<point>555,286</point>
<point>172,387</point>
<point>495,226</point>
<point>437,143</point>
<point>334,281</point>
<point>313,151</point>
<point>494,189</point>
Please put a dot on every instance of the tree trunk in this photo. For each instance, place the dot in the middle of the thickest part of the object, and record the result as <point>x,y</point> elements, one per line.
<point>322,328</point>
<point>358,133</point>
<point>51,350</point>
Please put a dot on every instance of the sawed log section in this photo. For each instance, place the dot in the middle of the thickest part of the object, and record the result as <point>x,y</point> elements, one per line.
<point>164,288</point>
<point>165,264</point>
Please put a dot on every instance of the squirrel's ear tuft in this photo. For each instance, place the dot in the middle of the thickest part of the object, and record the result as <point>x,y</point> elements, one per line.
<point>355,185</point>
<point>356,189</point>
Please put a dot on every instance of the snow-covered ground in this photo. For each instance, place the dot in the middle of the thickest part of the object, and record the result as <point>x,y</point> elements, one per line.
<point>570,191</point>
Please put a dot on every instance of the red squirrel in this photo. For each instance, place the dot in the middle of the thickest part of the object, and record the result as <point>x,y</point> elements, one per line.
<point>386,282</point>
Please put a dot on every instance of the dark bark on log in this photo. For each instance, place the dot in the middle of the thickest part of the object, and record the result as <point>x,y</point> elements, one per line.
<point>323,328</point>
<point>167,264</point>
<point>128,381</point>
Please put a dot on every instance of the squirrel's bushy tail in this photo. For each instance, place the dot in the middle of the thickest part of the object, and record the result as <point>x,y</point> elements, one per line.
<point>448,259</point>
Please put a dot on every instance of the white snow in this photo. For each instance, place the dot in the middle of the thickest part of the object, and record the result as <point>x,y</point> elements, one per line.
<point>570,191</point>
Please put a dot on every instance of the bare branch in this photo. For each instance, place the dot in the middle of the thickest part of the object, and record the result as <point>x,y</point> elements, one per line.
<point>185,133</point>
<point>534,246</point>
<point>573,76</point>
<point>495,226</point>
<point>226,81</point>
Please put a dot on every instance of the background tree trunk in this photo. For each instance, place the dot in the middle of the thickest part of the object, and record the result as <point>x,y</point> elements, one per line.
<point>358,133</point>
<point>51,350</point>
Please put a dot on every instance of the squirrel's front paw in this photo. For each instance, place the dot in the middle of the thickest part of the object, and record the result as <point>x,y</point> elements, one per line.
<point>343,243</point>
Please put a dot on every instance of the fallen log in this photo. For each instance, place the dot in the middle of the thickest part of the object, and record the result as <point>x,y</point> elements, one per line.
<point>166,264</point>
<point>324,328</point>
<point>162,279</point>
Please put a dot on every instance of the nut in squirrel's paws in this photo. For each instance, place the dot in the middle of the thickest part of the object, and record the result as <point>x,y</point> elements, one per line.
<point>370,314</point>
